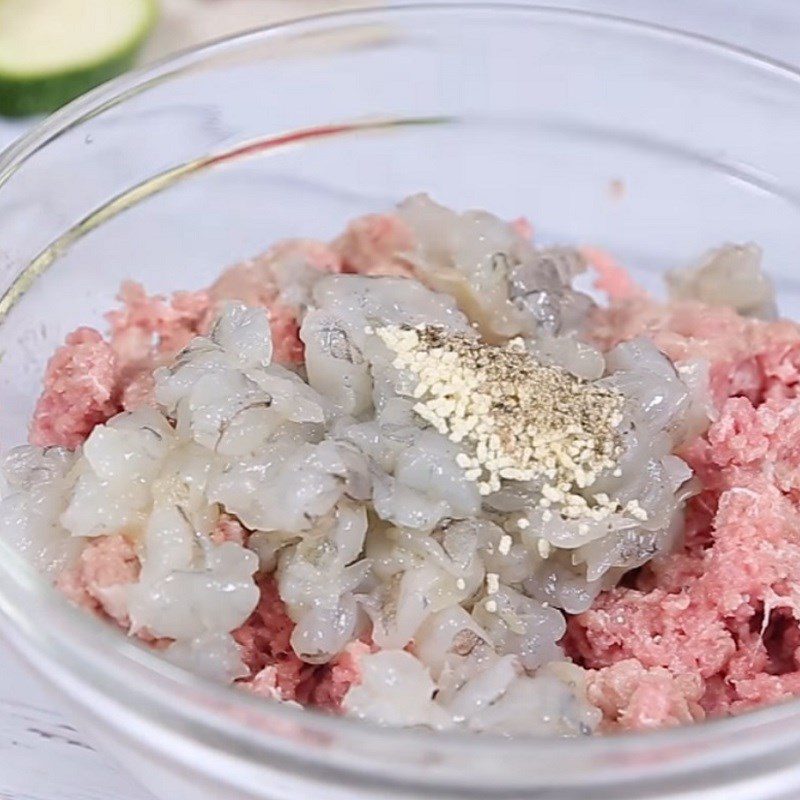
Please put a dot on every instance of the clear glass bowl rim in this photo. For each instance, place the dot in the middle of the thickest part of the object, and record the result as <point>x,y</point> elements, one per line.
<point>19,583</point>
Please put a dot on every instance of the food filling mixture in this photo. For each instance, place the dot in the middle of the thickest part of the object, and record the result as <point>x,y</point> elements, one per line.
<point>414,476</point>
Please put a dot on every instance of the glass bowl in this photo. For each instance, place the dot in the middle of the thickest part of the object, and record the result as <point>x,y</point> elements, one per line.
<point>647,142</point>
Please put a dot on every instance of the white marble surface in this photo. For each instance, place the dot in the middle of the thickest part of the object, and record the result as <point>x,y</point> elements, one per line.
<point>42,756</point>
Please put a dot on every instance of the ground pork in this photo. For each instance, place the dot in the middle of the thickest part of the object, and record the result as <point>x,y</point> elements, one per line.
<point>275,669</point>
<point>97,580</point>
<point>722,612</point>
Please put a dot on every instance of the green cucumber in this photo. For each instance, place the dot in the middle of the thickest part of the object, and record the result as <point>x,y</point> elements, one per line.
<point>51,51</point>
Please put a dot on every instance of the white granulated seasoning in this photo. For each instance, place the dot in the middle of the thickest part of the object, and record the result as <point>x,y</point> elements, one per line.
<point>491,606</point>
<point>504,546</point>
<point>544,547</point>
<point>636,511</point>
<point>461,584</point>
<point>492,583</point>
<point>518,419</point>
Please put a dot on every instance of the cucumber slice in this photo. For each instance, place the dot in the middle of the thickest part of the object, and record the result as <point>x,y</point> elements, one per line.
<point>51,51</point>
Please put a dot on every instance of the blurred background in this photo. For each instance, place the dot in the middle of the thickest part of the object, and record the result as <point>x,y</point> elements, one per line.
<point>29,29</point>
<point>771,23</point>
<point>47,38</point>
<point>33,31</point>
